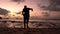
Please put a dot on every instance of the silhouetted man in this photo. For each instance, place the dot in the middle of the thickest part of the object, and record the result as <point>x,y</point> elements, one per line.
<point>26,15</point>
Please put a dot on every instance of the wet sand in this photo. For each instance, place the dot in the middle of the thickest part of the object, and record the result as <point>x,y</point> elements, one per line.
<point>30,31</point>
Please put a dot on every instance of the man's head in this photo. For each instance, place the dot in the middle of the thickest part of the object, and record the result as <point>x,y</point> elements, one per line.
<point>25,6</point>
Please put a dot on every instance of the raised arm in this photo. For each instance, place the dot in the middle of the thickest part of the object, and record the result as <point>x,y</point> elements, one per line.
<point>31,9</point>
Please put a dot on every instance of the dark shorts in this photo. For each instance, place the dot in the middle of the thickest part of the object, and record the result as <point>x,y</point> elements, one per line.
<point>26,17</point>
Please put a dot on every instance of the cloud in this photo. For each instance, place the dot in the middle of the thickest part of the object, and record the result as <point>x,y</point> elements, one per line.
<point>54,5</point>
<point>3,11</point>
<point>18,13</point>
<point>50,8</point>
<point>18,1</point>
<point>57,2</point>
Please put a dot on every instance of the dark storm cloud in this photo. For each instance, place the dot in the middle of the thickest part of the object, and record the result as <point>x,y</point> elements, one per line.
<point>18,1</point>
<point>52,7</point>
<point>3,11</point>
<point>56,1</point>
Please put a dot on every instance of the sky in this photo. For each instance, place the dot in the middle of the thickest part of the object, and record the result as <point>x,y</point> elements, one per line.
<point>16,6</point>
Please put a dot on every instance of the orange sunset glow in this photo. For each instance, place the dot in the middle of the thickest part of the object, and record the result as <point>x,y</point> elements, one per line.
<point>15,8</point>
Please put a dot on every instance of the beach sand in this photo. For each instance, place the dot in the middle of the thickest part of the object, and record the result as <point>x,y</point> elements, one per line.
<point>29,31</point>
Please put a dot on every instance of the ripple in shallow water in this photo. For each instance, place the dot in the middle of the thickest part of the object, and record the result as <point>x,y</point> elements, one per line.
<point>31,25</point>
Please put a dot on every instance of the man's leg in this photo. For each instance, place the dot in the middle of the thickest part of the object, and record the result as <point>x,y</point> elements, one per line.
<point>27,21</point>
<point>24,22</point>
